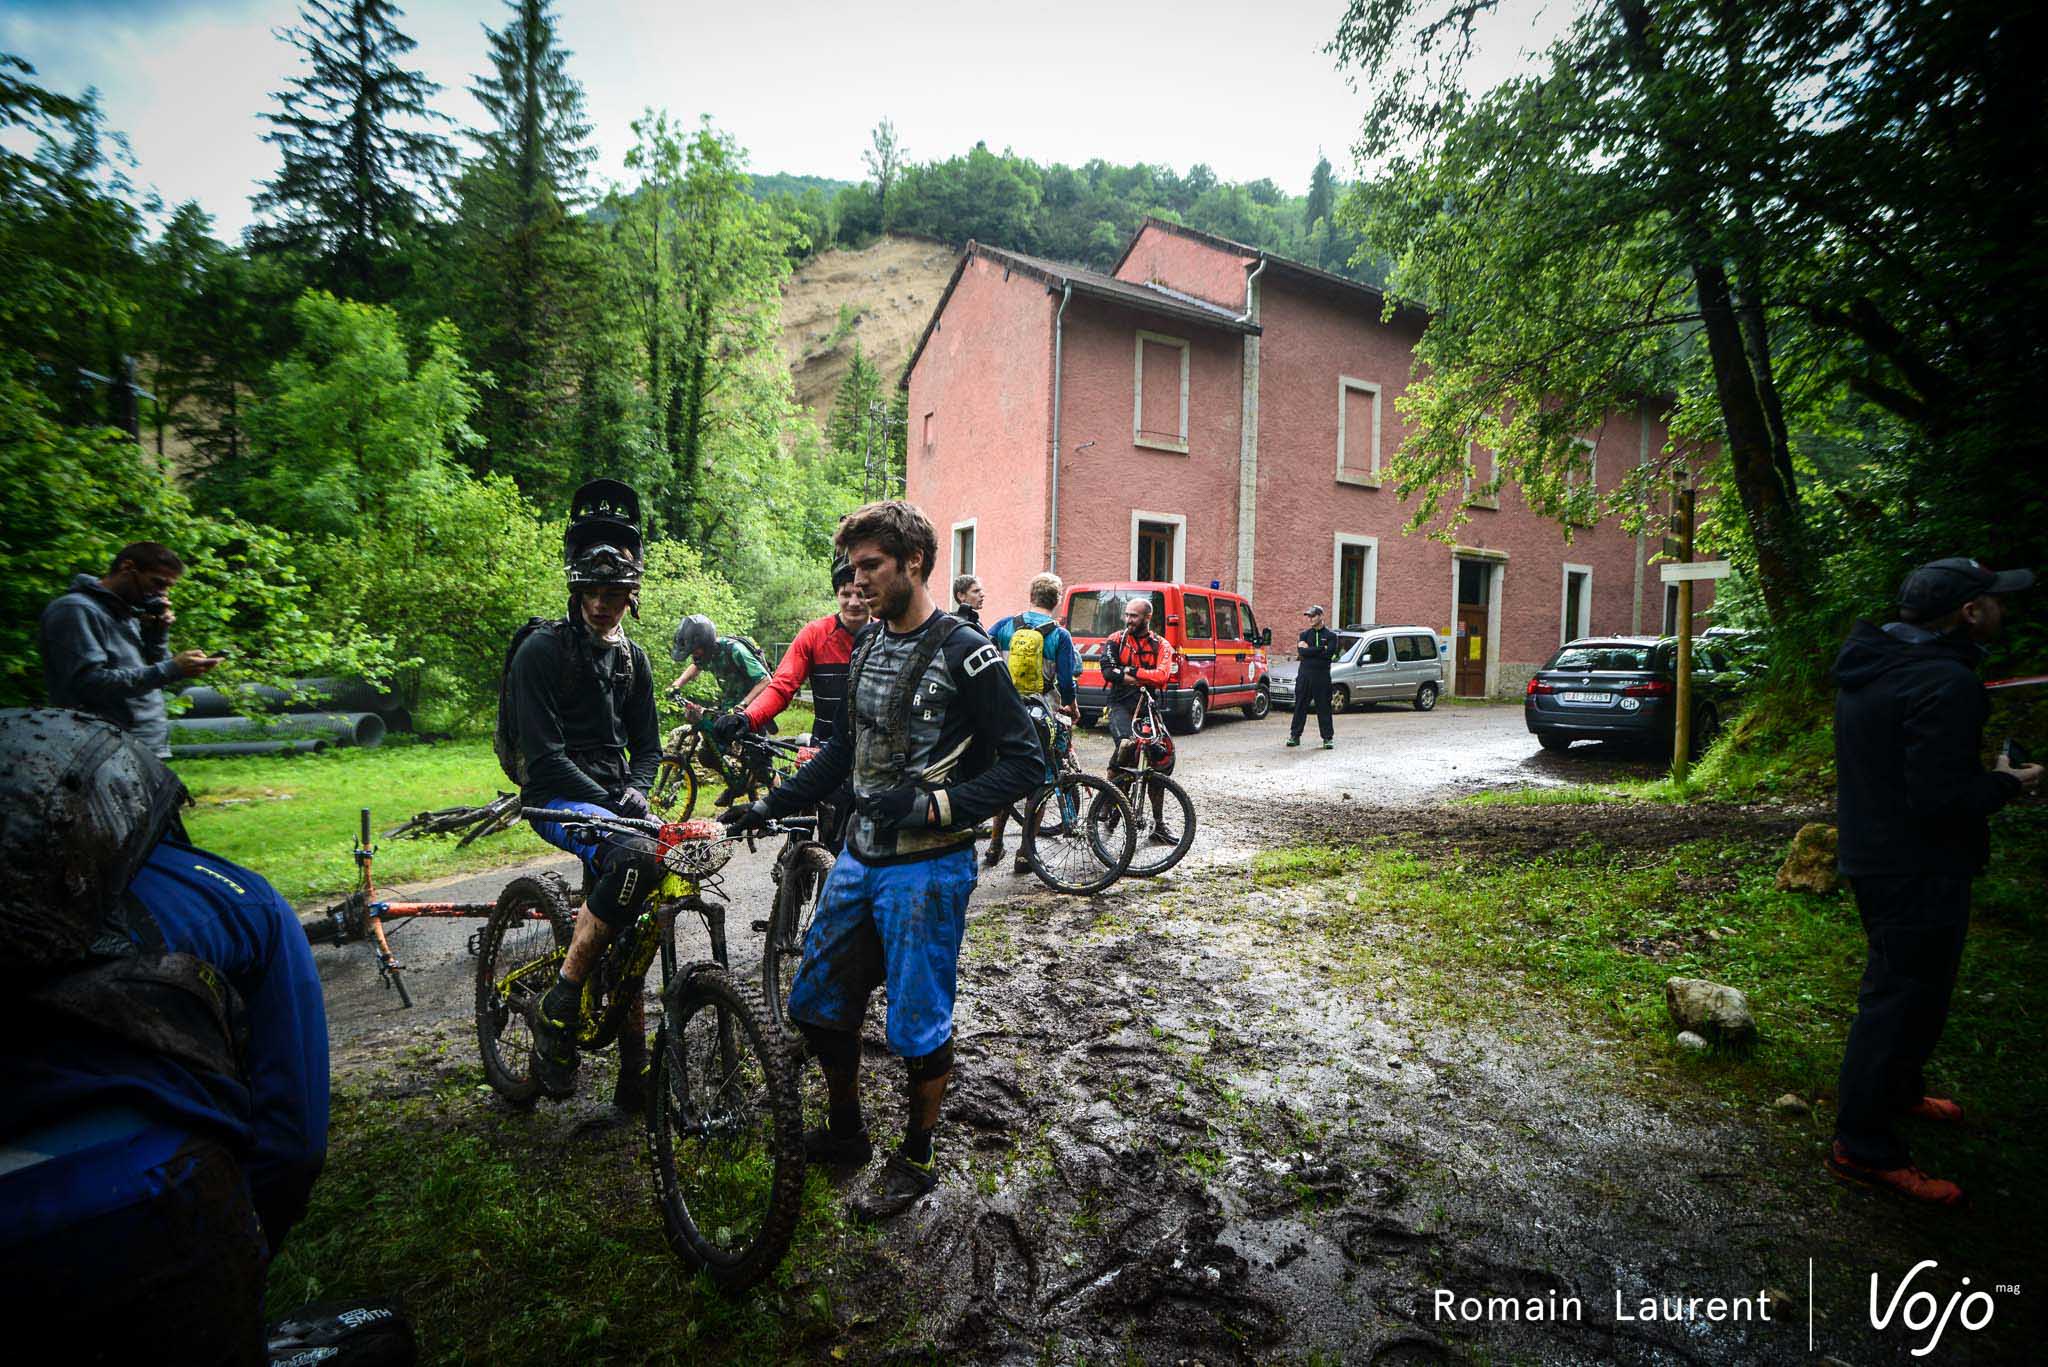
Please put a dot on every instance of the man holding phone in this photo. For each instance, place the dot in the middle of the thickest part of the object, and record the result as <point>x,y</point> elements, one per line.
<point>106,643</point>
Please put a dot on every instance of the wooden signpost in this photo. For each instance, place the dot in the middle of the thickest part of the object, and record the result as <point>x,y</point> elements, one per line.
<point>1685,572</point>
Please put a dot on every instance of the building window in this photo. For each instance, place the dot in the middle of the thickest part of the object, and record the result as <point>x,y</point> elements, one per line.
<point>1582,471</point>
<point>1670,610</point>
<point>1358,432</point>
<point>1578,603</point>
<point>1158,547</point>
<point>1159,393</point>
<point>931,432</point>
<point>1354,584</point>
<point>963,548</point>
<point>1482,481</point>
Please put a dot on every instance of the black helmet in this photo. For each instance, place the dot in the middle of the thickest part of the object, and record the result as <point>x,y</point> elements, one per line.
<point>603,566</point>
<point>82,803</point>
<point>693,633</point>
<point>842,573</point>
<point>603,512</point>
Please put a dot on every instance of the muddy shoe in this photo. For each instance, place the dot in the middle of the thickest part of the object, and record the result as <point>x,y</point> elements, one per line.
<point>1293,741</point>
<point>994,856</point>
<point>1162,837</point>
<point>840,1151</point>
<point>554,1048</point>
<point>1020,866</point>
<point>899,1185</point>
<point>1329,745</point>
<point>1939,1109</point>
<point>1908,1183</point>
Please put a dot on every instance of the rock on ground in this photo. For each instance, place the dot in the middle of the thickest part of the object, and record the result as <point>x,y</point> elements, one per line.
<point>1810,864</point>
<point>1710,1009</point>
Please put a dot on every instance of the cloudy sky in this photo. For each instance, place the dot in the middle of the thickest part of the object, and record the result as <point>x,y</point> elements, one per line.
<point>799,83</point>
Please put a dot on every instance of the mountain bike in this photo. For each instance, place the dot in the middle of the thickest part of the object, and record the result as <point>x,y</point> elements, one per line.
<point>1077,828</point>
<point>724,1127</point>
<point>801,867</point>
<point>689,746</point>
<point>1162,814</point>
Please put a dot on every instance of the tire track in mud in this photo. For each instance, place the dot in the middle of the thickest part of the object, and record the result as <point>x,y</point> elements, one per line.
<point>1179,1134</point>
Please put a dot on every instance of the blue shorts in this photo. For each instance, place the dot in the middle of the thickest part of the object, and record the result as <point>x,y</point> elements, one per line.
<point>591,852</point>
<point>899,924</point>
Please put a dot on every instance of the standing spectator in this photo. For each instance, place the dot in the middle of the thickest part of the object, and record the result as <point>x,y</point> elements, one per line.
<point>1913,801</point>
<point>968,596</point>
<point>106,644</point>
<point>1046,666</point>
<point>1313,652</point>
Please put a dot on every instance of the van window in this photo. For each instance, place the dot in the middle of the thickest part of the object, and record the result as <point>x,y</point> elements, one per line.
<point>1198,616</point>
<point>1375,651</point>
<point>1098,612</point>
<point>1414,648</point>
<point>1226,620</point>
<point>1347,644</point>
<point>1251,624</point>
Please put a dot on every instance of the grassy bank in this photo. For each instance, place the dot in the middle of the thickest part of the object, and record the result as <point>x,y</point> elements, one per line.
<point>1598,928</point>
<point>293,818</point>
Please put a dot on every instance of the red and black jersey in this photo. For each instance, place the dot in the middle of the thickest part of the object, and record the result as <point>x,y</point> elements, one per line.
<point>821,653</point>
<point>1149,661</point>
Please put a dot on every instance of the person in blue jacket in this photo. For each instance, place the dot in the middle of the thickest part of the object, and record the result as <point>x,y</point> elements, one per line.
<point>165,1065</point>
<point>1059,671</point>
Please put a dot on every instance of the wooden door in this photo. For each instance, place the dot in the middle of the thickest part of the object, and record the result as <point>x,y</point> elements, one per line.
<point>1469,646</point>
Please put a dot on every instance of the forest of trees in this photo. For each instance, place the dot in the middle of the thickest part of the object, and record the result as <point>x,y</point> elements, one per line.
<point>360,423</point>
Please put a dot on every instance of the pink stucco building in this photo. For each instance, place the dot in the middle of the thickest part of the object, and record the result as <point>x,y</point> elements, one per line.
<point>1212,413</point>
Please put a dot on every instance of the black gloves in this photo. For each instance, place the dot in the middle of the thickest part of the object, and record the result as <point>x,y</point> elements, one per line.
<point>632,803</point>
<point>898,807</point>
<point>739,820</point>
<point>729,726</point>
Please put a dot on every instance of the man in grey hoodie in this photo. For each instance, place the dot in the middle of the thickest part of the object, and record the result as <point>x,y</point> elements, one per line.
<point>106,643</point>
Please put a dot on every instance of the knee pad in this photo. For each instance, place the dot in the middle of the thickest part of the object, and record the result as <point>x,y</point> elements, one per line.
<point>937,1063</point>
<point>625,884</point>
<point>838,1051</point>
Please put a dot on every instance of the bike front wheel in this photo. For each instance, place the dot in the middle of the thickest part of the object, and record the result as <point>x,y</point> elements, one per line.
<point>796,902</point>
<point>1162,840</point>
<point>674,794</point>
<point>724,1130</point>
<point>517,957</point>
<point>1078,834</point>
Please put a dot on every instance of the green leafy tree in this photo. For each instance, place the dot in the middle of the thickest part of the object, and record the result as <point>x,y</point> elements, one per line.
<point>360,162</point>
<point>351,428</point>
<point>523,268</point>
<point>884,160</point>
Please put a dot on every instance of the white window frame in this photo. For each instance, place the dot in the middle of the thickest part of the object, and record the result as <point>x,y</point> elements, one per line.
<point>1138,435</point>
<point>1369,592</point>
<point>1345,384</point>
<point>972,526</point>
<point>1179,522</point>
<point>1565,601</point>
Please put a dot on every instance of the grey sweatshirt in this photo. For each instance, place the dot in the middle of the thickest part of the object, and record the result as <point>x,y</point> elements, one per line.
<point>97,658</point>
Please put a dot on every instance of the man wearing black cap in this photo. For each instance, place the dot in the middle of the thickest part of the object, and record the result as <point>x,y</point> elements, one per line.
<point>1313,652</point>
<point>1914,800</point>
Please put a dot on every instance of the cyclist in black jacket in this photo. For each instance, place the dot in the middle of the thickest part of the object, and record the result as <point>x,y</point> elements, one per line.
<point>1317,647</point>
<point>937,740</point>
<point>582,701</point>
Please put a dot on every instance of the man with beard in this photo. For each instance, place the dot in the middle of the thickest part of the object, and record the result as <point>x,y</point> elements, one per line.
<point>106,644</point>
<point>579,709</point>
<point>936,739</point>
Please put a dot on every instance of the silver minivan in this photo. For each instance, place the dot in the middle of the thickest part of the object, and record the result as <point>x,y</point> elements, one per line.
<point>1378,664</point>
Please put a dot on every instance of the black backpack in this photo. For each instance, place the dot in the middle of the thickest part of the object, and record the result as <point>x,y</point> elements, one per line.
<point>82,804</point>
<point>505,735</point>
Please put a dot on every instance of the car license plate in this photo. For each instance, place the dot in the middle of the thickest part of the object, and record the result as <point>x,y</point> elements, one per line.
<point>1602,698</point>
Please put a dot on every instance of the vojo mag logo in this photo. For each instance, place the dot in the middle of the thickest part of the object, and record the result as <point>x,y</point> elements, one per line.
<point>1919,1310</point>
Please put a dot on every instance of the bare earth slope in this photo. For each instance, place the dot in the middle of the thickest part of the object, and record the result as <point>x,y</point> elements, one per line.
<point>884,295</point>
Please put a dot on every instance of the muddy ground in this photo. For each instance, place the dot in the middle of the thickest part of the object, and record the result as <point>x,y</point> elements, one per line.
<point>1182,1131</point>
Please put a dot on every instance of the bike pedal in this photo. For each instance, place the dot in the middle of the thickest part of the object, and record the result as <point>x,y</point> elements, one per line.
<point>474,936</point>
<point>760,927</point>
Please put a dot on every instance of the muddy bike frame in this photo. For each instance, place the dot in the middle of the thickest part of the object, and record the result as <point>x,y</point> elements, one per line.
<point>362,915</point>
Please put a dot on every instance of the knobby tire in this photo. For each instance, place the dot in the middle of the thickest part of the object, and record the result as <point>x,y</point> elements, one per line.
<point>1105,825</point>
<point>511,939</point>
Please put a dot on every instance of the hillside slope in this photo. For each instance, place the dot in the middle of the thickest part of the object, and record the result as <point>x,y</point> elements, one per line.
<point>880,296</point>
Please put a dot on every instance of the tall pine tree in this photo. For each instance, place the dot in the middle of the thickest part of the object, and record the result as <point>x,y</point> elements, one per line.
<point>360,161</point>
<point>525,292</point>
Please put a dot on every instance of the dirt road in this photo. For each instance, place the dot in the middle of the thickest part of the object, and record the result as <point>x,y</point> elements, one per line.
<point>1183,1131</point>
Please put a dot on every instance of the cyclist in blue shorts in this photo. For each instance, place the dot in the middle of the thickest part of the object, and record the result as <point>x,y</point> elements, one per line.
<point>579,705</point>
<point>937,740</point>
